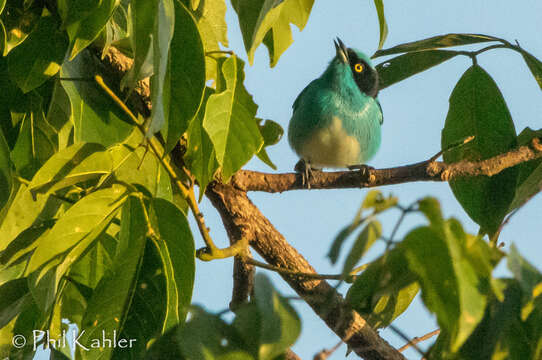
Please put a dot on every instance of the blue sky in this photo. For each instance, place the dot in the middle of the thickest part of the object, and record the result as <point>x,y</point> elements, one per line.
<point>414,110</point>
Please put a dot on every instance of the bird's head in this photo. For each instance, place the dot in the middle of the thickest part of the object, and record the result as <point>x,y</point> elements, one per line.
<point>363,72</point>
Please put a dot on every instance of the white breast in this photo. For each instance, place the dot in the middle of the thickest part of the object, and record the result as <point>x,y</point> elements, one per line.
<point>331,147</point>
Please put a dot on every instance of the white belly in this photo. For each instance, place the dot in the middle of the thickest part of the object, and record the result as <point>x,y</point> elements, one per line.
<point>331,147</point>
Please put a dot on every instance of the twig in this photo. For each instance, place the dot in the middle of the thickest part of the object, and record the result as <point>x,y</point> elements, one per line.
<point>419,339</point>
<point>325,353</point>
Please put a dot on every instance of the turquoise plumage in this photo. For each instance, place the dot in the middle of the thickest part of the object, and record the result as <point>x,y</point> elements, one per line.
<point>337,118</point>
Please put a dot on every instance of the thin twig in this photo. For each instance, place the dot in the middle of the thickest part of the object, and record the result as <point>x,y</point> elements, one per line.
<point>398,331</point>
<point>419,339</point>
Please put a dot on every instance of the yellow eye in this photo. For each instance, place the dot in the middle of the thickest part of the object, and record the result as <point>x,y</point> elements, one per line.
<point>358,68</point>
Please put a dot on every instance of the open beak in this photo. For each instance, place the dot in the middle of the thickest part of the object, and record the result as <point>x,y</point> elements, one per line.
<point>342,50</point>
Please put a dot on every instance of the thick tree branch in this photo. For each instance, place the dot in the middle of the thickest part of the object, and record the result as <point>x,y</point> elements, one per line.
<point>423,171</point>
<point>242,219</point>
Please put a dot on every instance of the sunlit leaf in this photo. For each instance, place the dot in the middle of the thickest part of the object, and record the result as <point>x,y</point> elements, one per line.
<point>379,4</point>
<point>104,316</point>
<point>268,21</point>
<point>477,108</point>
<point>229,121</point>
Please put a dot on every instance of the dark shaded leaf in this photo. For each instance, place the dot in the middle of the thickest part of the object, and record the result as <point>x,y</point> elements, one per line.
<point>12,298</point>
<point>6,181</point>
<point>40,56</point>
<point>477,108</point>
<point>407,65</point>
<point>370,233</point>
<point>534,65</point>
<point>175,245</point>
<point>436,42</point>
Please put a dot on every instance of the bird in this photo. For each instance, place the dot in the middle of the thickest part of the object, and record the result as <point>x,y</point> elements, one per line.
<point>336,120</point>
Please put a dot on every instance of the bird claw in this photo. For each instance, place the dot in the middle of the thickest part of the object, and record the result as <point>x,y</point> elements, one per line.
<point>306,171</point>
<point>364,170</point>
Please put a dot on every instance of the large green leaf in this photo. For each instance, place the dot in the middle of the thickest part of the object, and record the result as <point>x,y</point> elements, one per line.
<point>162,32</point>
<point>12,297</point>
<point>436,42</point>
<point>70,166</point>
<point>534,65</point>
<point>379,4</point>
<point>83,221</point>
<point>110,301</point>
<point>229,121</point>
<point>83,32</point>
<point>176,248</point>
<point>36,141</point>
<point>6,181</point>
<point>459,302</point>
<point>268,21</point>
<point>200,153</point>
<point>96,118</point>
<point>142,18</point>
<point>211,18</point>
<point>407,65</point>
<point>24,211</point>
<point>40,56</point>
<point>477,108</point>
<point>186,74</point>
<point>384,290</point>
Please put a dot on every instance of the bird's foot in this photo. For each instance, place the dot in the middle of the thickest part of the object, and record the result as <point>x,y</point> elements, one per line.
<point>364,170</point>
<point>306,171</point>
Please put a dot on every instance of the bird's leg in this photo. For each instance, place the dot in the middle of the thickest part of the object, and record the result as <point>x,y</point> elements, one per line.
<point>364,170</point>
<point>306,171</point>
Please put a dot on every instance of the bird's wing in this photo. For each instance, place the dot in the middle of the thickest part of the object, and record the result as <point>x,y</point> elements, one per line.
<point>380,106</point>
<point>302,93</point>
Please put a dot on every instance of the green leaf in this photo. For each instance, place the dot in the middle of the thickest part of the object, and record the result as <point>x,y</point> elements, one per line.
<point>436,42</point>
<point>376,201</point>
<point>384,289</point>
<point>370,233</point>
<point>24,212</point>
<point>379,4</point>
<point>280,324</point>
<point>76,10</point>
<point>75,164</point>
<point>96,118</point>
<point>229,121</point>
<point>272,133</point>
<point>458,302</point>
<point>187,75</point>
<point>36,140</point>
<point>162,33</point>
<point>407,65</point>
<point>335,249</point>
<point>83,221</point>
<point>528,277</point>
<point>40,56</point>
<point>200,154</point>
<point>19,20</point>
<point>82,33</point>
<point>477,108</point>
<point>211,19</point>
<point>268,21</point>
<point>6,181</point>
<point>142,18</point>
<point>530,173</point>
<point>110,301</point>
<point>175,245</point>
<point>23,243</point>
<point>534,65</point>
<point>12,297</point>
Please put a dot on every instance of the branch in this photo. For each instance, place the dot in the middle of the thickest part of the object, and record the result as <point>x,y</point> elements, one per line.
<point>243,220</point>
<point>419,339</point>
<point>246,180</point>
